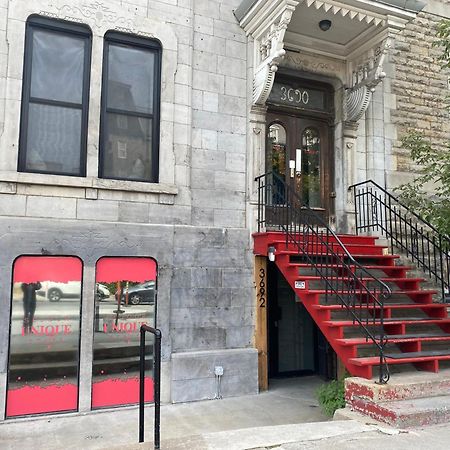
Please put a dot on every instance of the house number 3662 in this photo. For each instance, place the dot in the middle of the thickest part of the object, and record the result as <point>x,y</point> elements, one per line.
<point>294,95</point>
<point>262,288</point>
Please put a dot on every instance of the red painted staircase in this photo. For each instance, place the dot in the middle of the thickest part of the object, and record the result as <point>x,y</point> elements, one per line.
<point>412,329</point>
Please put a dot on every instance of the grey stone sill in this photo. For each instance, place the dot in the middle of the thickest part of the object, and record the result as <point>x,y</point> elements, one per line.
<point>87,182</point>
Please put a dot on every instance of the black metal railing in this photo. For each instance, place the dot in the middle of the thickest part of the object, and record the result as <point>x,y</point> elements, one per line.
<point>378,210</point>
<point>360,294</point>
<point>157,382</point>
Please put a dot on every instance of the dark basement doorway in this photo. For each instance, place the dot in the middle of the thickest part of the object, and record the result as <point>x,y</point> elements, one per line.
<point>295,343</point>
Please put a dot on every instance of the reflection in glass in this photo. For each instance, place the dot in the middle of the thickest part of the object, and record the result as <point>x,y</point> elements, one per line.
<point>277,159</point>
<point>44,337</point>
<point>310,173</point>
<point>128,147</point>
<point>130,78</point>
<point>125,299</point>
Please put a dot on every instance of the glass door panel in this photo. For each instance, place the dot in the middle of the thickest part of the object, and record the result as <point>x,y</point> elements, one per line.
<point>309,177</point>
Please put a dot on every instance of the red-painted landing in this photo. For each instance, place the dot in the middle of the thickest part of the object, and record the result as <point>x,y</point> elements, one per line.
<point>418,330</point>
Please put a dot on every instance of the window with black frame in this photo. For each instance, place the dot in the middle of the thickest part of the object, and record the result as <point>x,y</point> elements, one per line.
<point>55,97</point>
<point>129,134</point>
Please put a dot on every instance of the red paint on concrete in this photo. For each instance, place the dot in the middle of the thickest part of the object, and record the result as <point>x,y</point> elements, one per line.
<point>111,270</point>
<point>357,390</point>
<point>374,410</point>
<point>114,392</point>
<point>61,269</point>
<point>41,399</point>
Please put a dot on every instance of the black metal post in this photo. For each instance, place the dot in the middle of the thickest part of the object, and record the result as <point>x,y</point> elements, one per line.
<point>157,382</point>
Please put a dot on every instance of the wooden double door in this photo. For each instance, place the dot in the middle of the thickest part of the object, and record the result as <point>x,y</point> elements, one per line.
<point>299,151</point>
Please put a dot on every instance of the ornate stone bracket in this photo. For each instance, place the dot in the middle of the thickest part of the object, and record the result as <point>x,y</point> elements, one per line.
<point>269,51</point>
<point>367,73</point>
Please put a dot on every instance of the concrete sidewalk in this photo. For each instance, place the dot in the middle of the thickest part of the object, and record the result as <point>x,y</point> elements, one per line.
<point>285,418</point>
<point>288,402</point>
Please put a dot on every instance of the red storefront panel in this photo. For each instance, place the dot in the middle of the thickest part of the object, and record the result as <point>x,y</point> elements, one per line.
<point>44,335</point>
<point>126,298</point>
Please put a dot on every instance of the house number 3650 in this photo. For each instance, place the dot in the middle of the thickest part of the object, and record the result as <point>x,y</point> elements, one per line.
<point>294,95</point>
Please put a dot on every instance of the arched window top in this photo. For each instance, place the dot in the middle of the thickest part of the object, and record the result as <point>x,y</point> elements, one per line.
<point>277,134</point>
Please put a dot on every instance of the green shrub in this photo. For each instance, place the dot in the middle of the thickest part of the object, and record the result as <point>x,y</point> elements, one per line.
<point>331,396</point>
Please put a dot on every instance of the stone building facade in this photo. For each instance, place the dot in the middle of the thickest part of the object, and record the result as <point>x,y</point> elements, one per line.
<point>195,219</point>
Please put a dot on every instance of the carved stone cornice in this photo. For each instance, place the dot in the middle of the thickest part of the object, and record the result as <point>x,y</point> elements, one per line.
<point>98,15</point>
<point>268,28</point>
<point>365,73</point>
<point>270,53</point>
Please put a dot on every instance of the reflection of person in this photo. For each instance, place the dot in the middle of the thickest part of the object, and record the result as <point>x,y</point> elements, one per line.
<point>29,304</point>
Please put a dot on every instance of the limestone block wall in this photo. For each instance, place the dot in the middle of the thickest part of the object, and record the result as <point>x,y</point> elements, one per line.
<point>418,88</point>
<point>193,222</point>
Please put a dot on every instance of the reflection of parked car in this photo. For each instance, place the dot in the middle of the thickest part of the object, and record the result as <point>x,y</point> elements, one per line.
<point>140,293</point>
<point>56,291</point>
<point>102,291</point>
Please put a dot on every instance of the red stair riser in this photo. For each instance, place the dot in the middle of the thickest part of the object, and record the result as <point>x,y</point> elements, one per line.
<point>429,366</point>
<point>349,342</point>
<point>410,346</point>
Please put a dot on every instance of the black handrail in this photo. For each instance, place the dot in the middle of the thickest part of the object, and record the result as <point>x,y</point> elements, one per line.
<point>357,290</point>
<point>378,210</point>
<point>157,383</point>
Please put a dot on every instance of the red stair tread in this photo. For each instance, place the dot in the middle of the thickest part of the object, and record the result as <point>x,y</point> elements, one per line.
<point>268,235</point>
<point>386,306</point>
<point>395,321</point>
<point>356,256</point>
<point>349,246</point>
<point>375,360</point>
<point>384,279</point>
<point>368,267</point>
<point>418,354</point>
<point>394,292</point>
<point>395,339</point>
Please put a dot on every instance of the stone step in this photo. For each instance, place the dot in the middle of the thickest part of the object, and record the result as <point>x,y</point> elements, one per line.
<point>408,413</point>
<point>408,400</point>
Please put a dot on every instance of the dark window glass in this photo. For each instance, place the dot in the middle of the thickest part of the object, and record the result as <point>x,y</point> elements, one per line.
<point>44,335</point>
<point>55,98</point>
<point>51,129</point>
<point>125,298</point>
<point>130,108</point>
